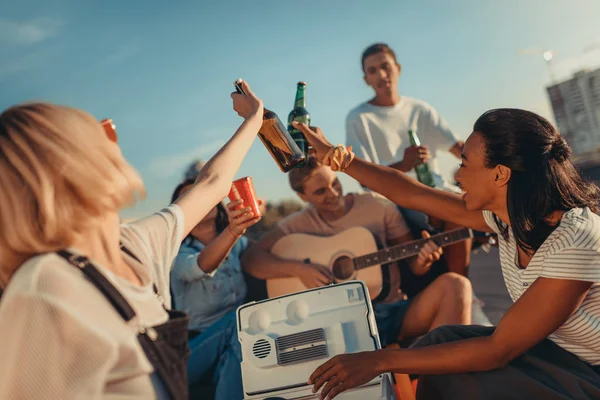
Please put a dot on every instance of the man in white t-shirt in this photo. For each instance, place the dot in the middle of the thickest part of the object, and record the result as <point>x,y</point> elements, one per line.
<point>378,129</point>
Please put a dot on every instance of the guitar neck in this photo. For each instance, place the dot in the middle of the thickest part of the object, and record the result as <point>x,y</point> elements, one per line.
<point>406,250</point>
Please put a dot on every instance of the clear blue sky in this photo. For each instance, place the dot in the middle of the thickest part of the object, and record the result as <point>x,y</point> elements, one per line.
<point>163,71</point>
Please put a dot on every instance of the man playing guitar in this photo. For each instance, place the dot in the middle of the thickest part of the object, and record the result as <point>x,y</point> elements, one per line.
<point>445,301</point>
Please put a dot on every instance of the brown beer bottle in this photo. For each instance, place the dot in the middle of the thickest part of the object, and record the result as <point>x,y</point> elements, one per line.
<point>277,139</point>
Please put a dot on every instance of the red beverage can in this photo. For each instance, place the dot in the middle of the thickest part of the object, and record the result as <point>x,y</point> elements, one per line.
<point>244,189</point>
<point>109,128</point>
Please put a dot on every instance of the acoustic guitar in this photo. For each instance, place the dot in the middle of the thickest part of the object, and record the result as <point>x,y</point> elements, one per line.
<point>352,254</point>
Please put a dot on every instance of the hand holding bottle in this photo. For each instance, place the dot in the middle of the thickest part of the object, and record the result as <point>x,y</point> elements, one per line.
<point>247,104</point>
<point>315,138</point>
<point>272,132</point>
<point>413,156</point>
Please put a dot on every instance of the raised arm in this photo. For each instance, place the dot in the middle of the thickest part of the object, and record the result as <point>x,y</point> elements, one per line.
<point>400,188</point>
<point>214,181</point>
<point>409,193</point>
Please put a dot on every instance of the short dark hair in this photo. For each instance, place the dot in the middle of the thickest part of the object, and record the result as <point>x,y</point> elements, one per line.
<point>543,178</point>
<point>374,49</point>
<point>298,176</point>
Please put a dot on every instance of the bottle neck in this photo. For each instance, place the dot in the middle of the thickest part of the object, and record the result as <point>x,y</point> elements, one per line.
<point>414,139</point>
<point>300,97</point>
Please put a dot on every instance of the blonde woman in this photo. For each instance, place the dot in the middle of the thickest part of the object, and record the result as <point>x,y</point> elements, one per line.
<point>85,310</point>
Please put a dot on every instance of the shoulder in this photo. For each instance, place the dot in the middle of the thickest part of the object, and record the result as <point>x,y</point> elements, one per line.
<point>580,229</point>
<point>190,245</point>
<point>490,220</point>
<point>169,220</point>
<point>46,275</point>
<point>296,218</point>
<point>50,283</point>
<point>575,251</point>
<point>419,105</point>
<point>372,199</point>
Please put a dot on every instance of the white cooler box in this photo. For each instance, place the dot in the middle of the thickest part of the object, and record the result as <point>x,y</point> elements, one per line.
<point>285,339</point>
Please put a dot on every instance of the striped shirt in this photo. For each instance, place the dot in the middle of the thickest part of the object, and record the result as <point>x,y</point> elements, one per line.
<point>572,251</point>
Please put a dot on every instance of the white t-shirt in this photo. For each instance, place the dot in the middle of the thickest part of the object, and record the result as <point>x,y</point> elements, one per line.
<point>572,252</point>
<point>62,339</point>
<point>380,134</point>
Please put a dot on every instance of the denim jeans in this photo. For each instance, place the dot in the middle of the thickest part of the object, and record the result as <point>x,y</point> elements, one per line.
<point>217,348</point>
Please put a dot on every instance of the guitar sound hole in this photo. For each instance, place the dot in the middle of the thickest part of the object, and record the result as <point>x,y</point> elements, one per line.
<point>343,268</point>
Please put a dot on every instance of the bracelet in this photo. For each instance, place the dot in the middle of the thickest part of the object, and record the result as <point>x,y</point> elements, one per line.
<point>339,157</point>
<point>347,161</point>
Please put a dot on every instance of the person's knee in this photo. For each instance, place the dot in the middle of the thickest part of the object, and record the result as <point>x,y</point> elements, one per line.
<point>458,287</point>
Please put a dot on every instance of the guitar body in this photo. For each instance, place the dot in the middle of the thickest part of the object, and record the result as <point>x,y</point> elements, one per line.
<point>334,252</point>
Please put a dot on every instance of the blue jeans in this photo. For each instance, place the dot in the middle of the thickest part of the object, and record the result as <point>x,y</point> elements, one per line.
<point>389,318</point>
<point>218,347</point>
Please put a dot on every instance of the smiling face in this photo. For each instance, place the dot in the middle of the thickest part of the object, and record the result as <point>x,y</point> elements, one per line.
<point>381,73</point>
<point>324,191</point>
<point>483,188</point>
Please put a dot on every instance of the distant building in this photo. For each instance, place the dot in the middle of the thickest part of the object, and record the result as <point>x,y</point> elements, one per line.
<point>576,106</point>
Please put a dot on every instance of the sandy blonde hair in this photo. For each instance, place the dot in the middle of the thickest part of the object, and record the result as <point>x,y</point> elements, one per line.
<point>59,175</point>
<point>298,176</point>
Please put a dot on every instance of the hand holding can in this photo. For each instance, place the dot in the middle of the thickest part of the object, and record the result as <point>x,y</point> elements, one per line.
<point>243,189</point>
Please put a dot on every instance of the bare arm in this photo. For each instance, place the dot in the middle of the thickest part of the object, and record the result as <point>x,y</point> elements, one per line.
<point>399,166</point>
<point>525,324</point>
<point>402,189</point>
<point>411,194</point>
<point>260,263</point>
<point>214,181</point>
<point>212,256</point>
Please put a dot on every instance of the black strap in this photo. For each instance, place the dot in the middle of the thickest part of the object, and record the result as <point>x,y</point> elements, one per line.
<point>101,283</point>
<point>126,250</point>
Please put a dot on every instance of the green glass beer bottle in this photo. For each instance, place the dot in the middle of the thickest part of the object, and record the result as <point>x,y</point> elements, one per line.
<point>423,172</point>
<point>299,114</point>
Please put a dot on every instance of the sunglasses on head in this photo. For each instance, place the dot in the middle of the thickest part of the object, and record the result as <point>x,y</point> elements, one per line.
<point>110,129</point>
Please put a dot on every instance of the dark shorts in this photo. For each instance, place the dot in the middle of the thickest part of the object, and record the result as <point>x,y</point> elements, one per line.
<point>545,372</point>
<point>389,318</point>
